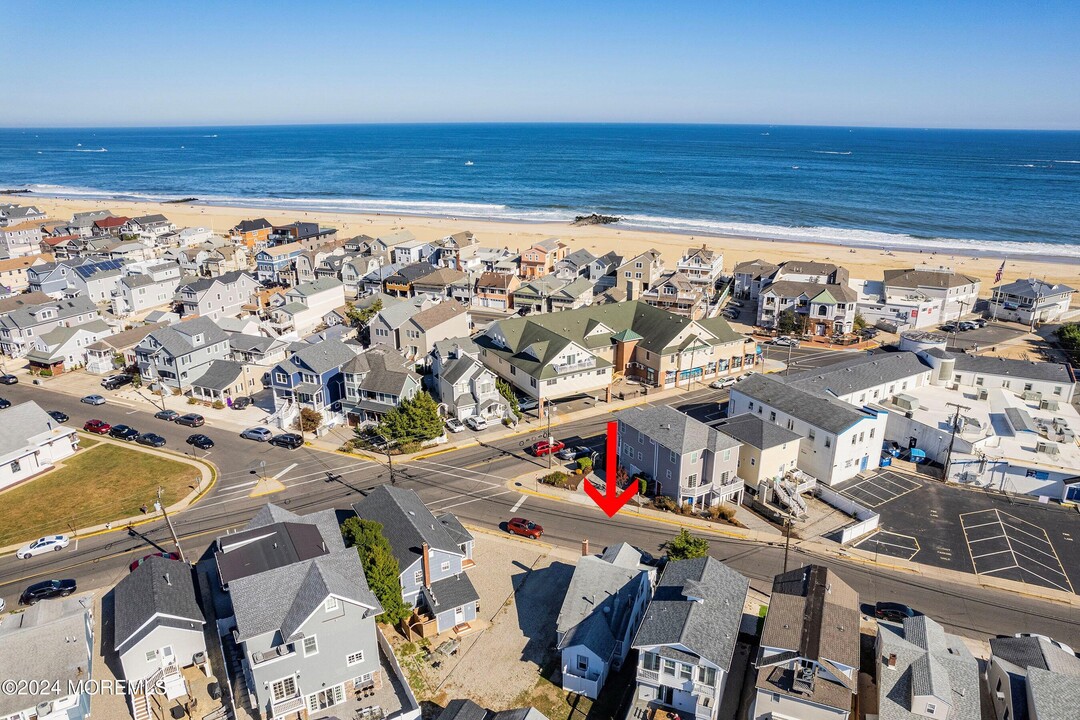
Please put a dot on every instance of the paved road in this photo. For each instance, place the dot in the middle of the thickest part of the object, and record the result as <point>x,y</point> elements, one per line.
<point>471,482</point>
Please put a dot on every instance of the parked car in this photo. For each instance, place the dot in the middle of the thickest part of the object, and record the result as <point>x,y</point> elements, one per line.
<point>574,452</point>
<point>99,427</point>
<point>115,382</point>
<point>893,611</point>
<point>259,434</point>
<point>190,420</point>
<point>525,528</point>
<point>981,322</point>
<point>4,404</point>
<point>93,400</point>
<point>454,425</point>
<point>967,325</point>
<point>528,403</point>
<point>546,448</point>
<point>870,333</point>
<point>49,543</point>
<point>151,439</point>
<point>144,558</point>
<point>785,341</point>
<point>722,383</point>
<point>47,589</point>
<point>948,328</point>
<point>289,441</point>
<point>200,441</point>
<point>59,416</point>
<point>8,379</point>
<point>240,403</point>
<point>169,415</point>
<point>476,422</point>
<point>123,432</point>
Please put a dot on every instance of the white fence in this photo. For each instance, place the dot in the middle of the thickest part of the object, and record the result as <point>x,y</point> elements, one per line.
<point>866,520</point>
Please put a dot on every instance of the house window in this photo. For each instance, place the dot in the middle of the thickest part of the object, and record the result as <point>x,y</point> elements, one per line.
<point>650,661</point>
<point>707,676</point>
<point>445,567</point>
<point>979,380</point>
<point>672,457</point>
<point>667,474</point>
<point>669,667</point>
<point>1027,387</point>
<point>686,672</point>
<point>311,646</point>
<point>284,688</point>
<point>691,480</point>
<point>751,405</point>
<point>151,656</point>
<point>281,377</point>
<point>931,708</point>
<point>812,436</point>
<point>828,442</point>
<point>772,416</point>
<point>354,658</point>
<point>727,454</point>
<point>331,604</point>
<point>16,466</point>
<point>582,663</point>
<point>418,577</point>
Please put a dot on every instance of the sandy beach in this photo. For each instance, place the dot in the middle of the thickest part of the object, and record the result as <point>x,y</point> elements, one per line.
<point>866,263</point>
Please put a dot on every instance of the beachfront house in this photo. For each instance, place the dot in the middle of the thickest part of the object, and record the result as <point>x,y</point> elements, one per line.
<point>1030,301</point>
<point>681,457</point>
<point>686,642</point>
<point>600,614</point>
<point>540,259</point>
<point>954,293</point>
<point>252,233</point>
<point>808,662</point>
<point>433,554</point>
<point>701,266</point>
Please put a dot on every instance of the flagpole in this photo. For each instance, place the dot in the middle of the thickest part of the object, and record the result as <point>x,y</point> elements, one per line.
<point>997,278</point>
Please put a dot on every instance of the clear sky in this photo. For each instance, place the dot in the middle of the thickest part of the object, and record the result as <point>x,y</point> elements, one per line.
<point>950,63</point>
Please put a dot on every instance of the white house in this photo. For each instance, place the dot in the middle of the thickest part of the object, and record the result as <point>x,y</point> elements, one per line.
<point>701,265</point>
<point>64,348</point>
<point>217,297</point>
<point>32,442</point>
<point>1030,301</point>
<point>956,292</point>
<point>148,286</point>
<point>306,304</point>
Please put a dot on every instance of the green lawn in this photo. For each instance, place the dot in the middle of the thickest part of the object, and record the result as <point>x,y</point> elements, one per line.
<point>97,485</point>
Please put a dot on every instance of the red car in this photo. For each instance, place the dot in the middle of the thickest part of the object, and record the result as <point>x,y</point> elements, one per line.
<point>546,448</point>
<point>144,558</point>
<point>525,528</point>
<point>97,426</point>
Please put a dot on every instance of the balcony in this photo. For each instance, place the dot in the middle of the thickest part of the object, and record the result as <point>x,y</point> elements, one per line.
<point>571,367</point>
<point>587,684</point>
<point>287,706</point>
<point>650,675</point>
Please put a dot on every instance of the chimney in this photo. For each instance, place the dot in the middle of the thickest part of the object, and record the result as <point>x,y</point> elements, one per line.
<point>425,560</point>
<point>585,547</point>
<point>892,660</point>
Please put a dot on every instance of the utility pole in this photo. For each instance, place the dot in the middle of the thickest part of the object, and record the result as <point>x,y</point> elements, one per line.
<point>549,409</point>
<point>168,521</point>
<point>787,539</point>
<point>952,439</point>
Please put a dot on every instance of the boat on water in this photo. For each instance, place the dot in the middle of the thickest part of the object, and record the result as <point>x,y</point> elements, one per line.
<point>469,163</point>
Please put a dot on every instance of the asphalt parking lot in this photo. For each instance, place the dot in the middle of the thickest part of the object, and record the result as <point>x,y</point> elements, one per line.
<point>986,337</point>
<point>973,531</point>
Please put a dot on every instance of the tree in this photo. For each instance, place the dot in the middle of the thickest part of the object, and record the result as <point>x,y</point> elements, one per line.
<point>788,323</point>
<point>511,397</point>
<point>362,316</point>
<point>685,546</point>
<point>859,323</point>
<point>381,568</point>
<point>415,419</point>
<point>308,420</point>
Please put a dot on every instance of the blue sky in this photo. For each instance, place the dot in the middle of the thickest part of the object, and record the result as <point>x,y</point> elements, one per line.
<point>912,63</point>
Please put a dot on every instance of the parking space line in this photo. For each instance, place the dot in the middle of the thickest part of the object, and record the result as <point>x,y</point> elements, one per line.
<point>518,504</point>
<point>996,552</point>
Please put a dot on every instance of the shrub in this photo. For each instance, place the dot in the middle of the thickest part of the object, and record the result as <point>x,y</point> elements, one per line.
<point>687,508</point>
<point>46,372</point>
<point>218,405</point>
<point>643,486</point>
<point>663,502</point>
<point>408,447</point>
<point>192,401</point>
<point>722,511</point>
<point>560,479</point>
<point>585,465</point>
<point>507,422</point>
<point>685,546</point>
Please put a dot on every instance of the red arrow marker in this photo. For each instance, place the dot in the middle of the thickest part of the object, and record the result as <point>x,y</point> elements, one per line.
<point>611,502</point>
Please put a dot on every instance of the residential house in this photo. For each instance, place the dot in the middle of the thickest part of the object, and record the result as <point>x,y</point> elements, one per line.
<point>441,282</point>
<point>20,239</point>
<point>533,296</point>
<point>701,266</point>
<point>55,278</point>
<point>192,260</point>
<point>640,272</point>
<point>311,377</point>
<point>257,349</point>
<point>13,271</point>
<point>64,348</point>
<point>157,629</point>
<point>384,244</point>
<point>252,234</point>
<point>274,264</point>
<point>227,380</point>
<point>433,554</point>
<point>1032,677</point>
<point>19,326</point>
<point>925,672</point>
<point>412,251</point>
<point>386,326</point>
<point>355,268</point>
<point>400,282</point>
<point>217,297</point>
<point>575,265</point>
<point>174,357</point>
<point>678,294</point>
<point>814,308</point>
<point>149,287</point>
<point>682,458</point>
<point>955,293</point>
<point>186,237</point>
<point>575,294</point>
<point>308,234</point>
<point>602,270</point>
<point>496,290</point>
<point>97,281</point>
<point>31,442</point>
<point>906,310</point>
<point>48,652</point>
<point>306,304</point>
<point>307,263</point>
<point>468,710</point>
<point>377,380</point>
<point>359,245</point>
<point>150,227</point>
<point>224,259</point>
<point>581,352</point>
<point>83,222</point>
<point>127,251</point>
<point>497,260</point>
<point>440,321</point>
<point>109,226</point>
<point>539,260</point>
<point>749,277</point>
<point>468,389</point>
<point>1030,301</point>
<point>767,452</point>
<point>603,606</point>
<point>61,247</point>
<point>330,266</point>
<point>117,351</point>
<point>686,642</point>
<point>12,214</point>
<point>302,630</point>
<point>444,351</point>
<point>808,662</point>
<point>457,251</point>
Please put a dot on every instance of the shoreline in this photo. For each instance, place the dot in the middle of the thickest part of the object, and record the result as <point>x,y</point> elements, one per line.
<point>864,260</point>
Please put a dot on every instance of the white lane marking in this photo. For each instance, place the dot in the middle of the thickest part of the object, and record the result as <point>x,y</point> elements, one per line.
<point>284,471</point>
<point>475,499</point>
<point>518,504</point>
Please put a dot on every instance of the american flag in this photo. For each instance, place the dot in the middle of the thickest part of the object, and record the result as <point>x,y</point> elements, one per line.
<point>1000,272</point>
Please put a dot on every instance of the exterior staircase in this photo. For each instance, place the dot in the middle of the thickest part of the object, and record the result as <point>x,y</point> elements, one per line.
<point>788,497</point>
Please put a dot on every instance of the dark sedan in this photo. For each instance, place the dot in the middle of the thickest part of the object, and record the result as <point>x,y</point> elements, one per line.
<point>191,420</point>
<point>4,404</point>
<point>151,439</point>
<point>169,415</point>
<point>59,416</point>
<point>124,432</point>
<point>289,441</point>
<point>9,379</point>
<point>893,611</point>
<point>200,441</point>
<point>47,589</point>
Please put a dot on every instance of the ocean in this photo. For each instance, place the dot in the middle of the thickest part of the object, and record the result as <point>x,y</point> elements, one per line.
<point>981,192</point>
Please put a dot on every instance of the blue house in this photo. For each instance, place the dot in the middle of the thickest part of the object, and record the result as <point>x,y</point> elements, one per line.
<point>275,264</point>
<point>310,377</point>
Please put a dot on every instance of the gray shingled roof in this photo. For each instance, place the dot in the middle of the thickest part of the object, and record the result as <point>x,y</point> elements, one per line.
<point>597,605</point>
<point>828,414</point>
<point>407,523</point>
<point>708,628</point>
<point>385,370</point>
<point>177,339</point>
<point>323,356</point>
<point>449,593</point>
<point>1055,696</point>
<point>24,421</point>
<point>219,375</point>
<point>859,373</point>
<point>673,429</point>
<point>438,314</point>
<point>754,431</point>
<point>915,278</point>
<point>1033,288</point>
<point>228,278</point>
<point>158,592</point>
<point>1028,369</point>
